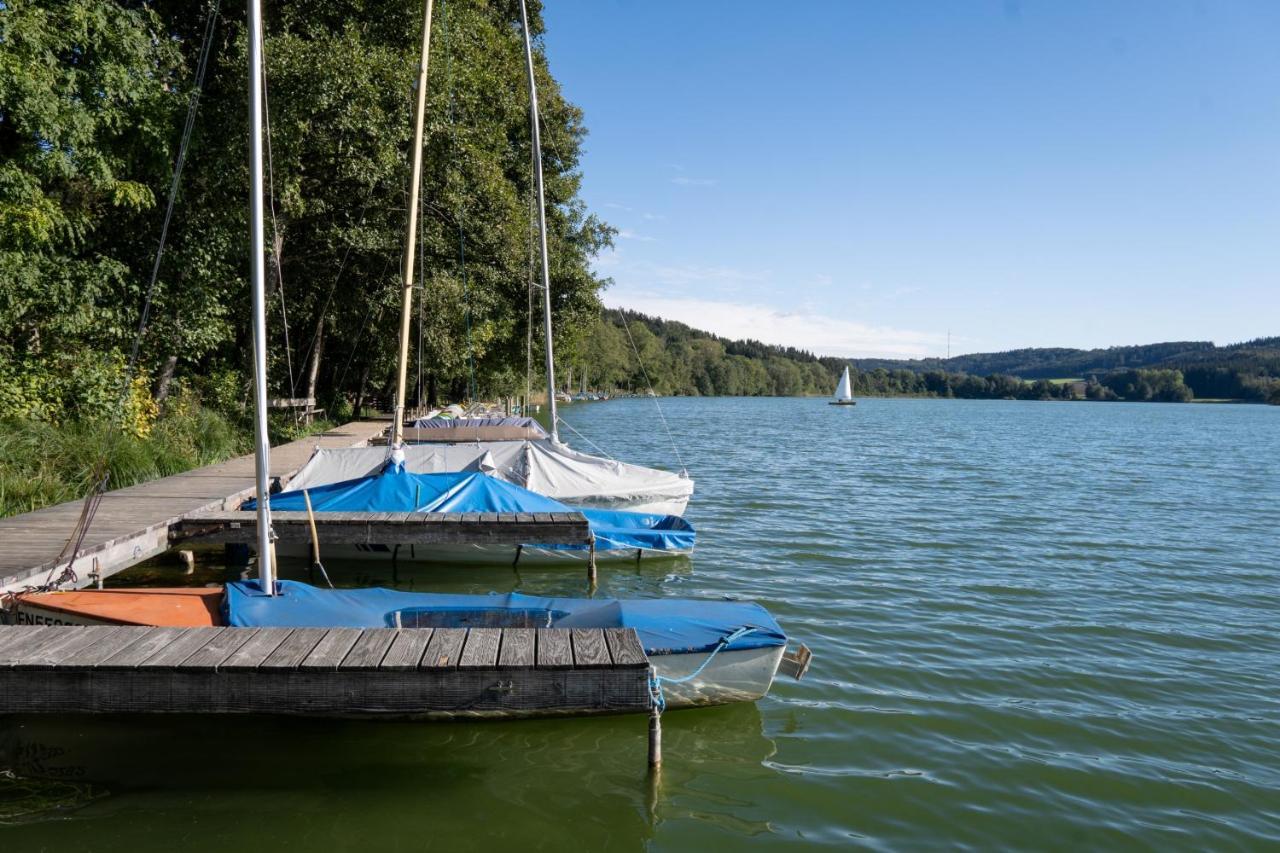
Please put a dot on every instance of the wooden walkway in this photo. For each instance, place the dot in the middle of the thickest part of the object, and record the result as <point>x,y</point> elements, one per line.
<point>132,524</point>
<point>384,672</point>
<point>367,528</point>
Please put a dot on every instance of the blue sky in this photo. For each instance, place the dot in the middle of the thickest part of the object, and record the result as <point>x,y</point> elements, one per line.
<point>858,178</point>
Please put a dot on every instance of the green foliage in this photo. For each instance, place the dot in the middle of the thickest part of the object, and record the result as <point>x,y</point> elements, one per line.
<point>42,464</point>
<point>92,99</point>
<point>87,111</point>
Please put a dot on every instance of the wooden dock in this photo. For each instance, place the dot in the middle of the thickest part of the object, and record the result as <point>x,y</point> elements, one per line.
<point>383,672</point>
<point>367,528</point>
<point>133,524</point>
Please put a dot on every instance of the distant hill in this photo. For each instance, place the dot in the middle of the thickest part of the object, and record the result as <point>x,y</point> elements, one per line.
<point>679,359</point>
<point>1056,362</point>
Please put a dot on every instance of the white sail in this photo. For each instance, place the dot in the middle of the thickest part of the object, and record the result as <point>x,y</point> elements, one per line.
<point>844,391</point>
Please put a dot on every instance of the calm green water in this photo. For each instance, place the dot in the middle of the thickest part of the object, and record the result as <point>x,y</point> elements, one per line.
<point>1038,625</point>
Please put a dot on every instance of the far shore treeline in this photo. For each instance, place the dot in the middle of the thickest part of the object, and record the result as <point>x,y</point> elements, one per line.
<point>682,360</point>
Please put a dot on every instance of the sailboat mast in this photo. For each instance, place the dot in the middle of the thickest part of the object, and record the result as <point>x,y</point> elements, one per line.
<point>411,231</point>
<point>542,222</point>
<point>257,285</point>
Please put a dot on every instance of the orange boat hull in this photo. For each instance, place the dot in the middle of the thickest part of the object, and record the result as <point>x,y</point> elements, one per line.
<point>160,607</point>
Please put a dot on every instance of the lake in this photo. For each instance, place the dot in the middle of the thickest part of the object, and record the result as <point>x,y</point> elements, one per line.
<point>1046,625</point>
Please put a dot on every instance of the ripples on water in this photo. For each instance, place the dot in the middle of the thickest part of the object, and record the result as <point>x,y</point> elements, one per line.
<point>1036,624</point>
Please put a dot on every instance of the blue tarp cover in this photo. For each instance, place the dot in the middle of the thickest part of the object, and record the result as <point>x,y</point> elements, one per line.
<point>665,625</point>
<point>396,490</point>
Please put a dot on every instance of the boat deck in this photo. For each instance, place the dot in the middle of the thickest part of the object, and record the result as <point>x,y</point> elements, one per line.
<point>382,672</point>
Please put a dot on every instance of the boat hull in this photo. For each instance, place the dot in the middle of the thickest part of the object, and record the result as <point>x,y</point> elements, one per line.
<point>743,675</point>
<point>180,607</point>
<point>842,403</point>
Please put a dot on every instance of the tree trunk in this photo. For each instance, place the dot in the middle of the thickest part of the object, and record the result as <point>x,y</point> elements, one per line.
<point>432,400</point>
<point>313,374</point>
<point>165,379</point>
<point>364,380</point>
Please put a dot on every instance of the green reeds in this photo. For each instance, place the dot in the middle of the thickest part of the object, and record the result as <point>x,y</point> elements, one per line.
<point>43,464</point>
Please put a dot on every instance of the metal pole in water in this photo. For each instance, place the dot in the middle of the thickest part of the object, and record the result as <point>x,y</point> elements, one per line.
<point>257,286</point>
<point>655,738</point>
<point>411,232</point>
<point>542,221</point>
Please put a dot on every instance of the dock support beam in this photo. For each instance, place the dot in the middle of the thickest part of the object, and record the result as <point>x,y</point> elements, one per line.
<point>655,738</point>
<point>591,563</point>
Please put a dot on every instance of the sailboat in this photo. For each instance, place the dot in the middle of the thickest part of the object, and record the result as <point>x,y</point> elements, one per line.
<point>844,391</point>
<point>632,510</point>
<point>705,652</point>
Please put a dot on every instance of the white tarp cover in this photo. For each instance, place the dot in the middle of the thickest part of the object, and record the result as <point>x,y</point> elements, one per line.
<point>544,466</point>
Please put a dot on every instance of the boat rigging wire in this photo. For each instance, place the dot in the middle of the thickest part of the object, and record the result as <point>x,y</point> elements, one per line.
<point>683,470</point>
<point>276,240</point>
<point>101,469</point>
<point>461,214</point>
<point>584,438</point>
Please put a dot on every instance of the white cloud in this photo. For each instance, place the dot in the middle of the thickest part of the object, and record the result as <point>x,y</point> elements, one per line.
<point>628,234</point>
<point>803,329</point>
<point>692,274</point>
<point>693,182</point>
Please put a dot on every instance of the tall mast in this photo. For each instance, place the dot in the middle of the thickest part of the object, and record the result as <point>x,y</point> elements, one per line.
<point>257,284</point>
<point>411,232</point>
<point>542,222</point>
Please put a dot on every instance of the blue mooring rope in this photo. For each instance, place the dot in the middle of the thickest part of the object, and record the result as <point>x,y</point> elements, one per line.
<point>656,681</point>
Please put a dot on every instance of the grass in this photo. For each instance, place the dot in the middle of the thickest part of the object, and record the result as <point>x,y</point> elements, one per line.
<point>43,464</point>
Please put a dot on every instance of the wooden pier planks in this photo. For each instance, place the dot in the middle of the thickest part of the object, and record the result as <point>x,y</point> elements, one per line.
<point>419,672</point>
<point>365,528</point>
<point>132,524</point>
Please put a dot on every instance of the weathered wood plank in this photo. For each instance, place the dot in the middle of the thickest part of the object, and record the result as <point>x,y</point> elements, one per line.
<point>259,647</point>
<point>331,649</point>
<point>407,649</point>
<point>144,647</point>
<point>554,649</point>
<point>219,647</point>
<point>110,644</point>
<point>589,648</point>
<point>445,648</point>
<point>57,647</point>
<point>624,647</point>
<point>369,650</point>
<point>339,528</point>
<point>517,648</point>
<point>481,649</point>
<point>294,650</point>
<point>13,639</point>
<point>183,647</point>
<point>107,681</point>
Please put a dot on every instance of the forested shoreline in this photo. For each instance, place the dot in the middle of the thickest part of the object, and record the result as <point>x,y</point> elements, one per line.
<point>627,350</point>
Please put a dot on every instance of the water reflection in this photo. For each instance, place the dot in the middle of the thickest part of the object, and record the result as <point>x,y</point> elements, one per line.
<point>378,784</point>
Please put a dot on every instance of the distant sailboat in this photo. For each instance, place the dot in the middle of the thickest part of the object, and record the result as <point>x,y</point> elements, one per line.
<point>844,391</point>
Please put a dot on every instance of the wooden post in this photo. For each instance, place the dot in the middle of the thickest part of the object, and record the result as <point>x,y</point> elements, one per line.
<point>188,559</point>
<point>655,738</point>
<point>591,564</point>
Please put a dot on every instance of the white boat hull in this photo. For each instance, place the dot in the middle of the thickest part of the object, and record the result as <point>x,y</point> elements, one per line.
<point>732,676</point>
